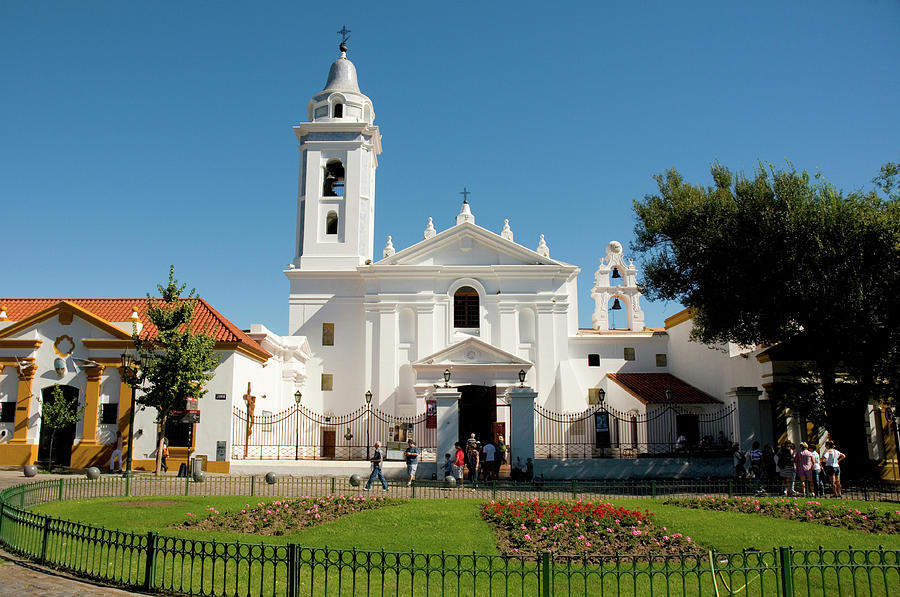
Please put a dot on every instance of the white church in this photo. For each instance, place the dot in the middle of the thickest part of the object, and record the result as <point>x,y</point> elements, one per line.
<point>466,331</point>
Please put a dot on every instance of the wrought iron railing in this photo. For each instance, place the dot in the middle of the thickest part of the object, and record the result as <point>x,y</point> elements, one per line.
<point>157,563</point>
<point>299,433</point>
<point>602,432</point>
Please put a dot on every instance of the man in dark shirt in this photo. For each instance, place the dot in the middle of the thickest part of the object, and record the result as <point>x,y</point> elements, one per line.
<point>376,460</point>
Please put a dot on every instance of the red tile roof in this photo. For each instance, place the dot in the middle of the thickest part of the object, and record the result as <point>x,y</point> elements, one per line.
<point>650,388</point>
<point>206,319</point>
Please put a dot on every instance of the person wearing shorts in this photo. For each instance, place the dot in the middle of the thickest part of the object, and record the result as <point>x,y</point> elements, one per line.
<point>412,461</point>
<point>832,458</point>
<point>803,466</point>
<point>459,463</point>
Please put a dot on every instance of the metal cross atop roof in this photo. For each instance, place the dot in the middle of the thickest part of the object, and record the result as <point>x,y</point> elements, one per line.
<point>465,193</point>
<point>344,33</point>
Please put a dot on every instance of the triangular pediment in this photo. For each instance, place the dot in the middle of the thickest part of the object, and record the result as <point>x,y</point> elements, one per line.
<point>473,351</point>
<point>64,309</point>
<point>467,244</point>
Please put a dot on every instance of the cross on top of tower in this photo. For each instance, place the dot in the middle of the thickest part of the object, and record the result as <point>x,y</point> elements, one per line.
<point>465,193</point>
<point>345,35</point>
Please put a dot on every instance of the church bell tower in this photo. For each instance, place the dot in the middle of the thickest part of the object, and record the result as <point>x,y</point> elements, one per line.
<point>339,147</point>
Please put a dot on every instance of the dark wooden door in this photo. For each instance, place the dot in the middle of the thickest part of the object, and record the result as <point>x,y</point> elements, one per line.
<point>328,442</point>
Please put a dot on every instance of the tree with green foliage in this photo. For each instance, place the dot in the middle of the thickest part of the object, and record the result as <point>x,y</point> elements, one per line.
<point>784,258</point>
<point>178,361</point>
<point>59,412</point>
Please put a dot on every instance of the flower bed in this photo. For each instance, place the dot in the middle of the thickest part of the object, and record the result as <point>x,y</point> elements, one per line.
<point>281,516</point>
<point>580,528</point>
<point>874,519</point>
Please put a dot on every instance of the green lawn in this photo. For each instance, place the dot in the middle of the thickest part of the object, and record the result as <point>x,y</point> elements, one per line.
<point>425,526</point>
<point>455,526</point>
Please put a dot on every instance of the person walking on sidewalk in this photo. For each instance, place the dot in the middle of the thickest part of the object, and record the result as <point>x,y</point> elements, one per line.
<point>116,455</point>
<point>412,461</point>
<point>376,461</point>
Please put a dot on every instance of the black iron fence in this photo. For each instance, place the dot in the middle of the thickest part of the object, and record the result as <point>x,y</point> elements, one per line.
<point>299,433</point>
<point>157,563</point>
<point>602,432</point>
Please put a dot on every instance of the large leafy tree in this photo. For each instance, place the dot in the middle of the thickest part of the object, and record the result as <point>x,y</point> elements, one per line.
<point>780,257</point>
<point>179,361</point>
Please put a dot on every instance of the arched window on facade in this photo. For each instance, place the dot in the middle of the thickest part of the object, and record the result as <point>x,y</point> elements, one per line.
<point>465,308</point>
<point>331,223</point>
<point>339,110</point>
<point>334,179</point>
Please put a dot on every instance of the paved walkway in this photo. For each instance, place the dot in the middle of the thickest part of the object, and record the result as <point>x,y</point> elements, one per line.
<point>21,578</point>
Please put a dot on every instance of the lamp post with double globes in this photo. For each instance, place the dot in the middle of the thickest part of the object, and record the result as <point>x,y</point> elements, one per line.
<point>368,419</point>
<point>297,397</point>
<point>130,376</point>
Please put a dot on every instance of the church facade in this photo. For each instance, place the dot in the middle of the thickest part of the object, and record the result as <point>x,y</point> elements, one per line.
<point>471,329</point>
<point>467,302</point>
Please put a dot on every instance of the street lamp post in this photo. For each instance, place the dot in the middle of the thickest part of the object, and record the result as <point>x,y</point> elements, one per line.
<point>368,419</point>
<point>130,374</point>
<point>297,397</point>
<point>521,378</point>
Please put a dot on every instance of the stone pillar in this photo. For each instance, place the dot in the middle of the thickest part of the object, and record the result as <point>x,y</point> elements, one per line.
<point>91,406</point>
<point>521,426</point>
<point>447,420</point>
<point>748,428</point>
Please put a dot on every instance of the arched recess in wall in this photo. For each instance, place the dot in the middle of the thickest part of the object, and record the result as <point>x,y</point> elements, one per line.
<point>407,334</point>
<point>526,326</point>
<point>331,223</point>
<point>619,318</point>
<point>333,186</point>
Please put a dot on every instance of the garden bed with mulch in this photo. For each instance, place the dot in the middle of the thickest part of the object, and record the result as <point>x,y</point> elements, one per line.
<point>585,529</point>
<point>282,517</point>
<point>874,519</point>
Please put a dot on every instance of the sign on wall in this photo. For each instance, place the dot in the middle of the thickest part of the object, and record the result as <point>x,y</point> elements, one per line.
<point>431,414</point>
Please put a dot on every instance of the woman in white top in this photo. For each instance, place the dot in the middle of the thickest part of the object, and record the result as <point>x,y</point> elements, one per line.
<point>833,459</point>
<point>818,485</point>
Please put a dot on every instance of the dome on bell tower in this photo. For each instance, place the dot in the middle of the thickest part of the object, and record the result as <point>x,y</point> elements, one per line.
<point>341,100</point>
<point>342,76</point>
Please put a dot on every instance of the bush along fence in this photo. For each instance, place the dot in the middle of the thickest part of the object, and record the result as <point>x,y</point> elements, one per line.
<point>158,563</point>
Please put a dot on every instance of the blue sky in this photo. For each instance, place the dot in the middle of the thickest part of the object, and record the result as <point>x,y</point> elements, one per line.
<point>136,134</point>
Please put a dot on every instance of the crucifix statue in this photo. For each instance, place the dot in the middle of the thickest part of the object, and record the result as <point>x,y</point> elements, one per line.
<point>250,400</point>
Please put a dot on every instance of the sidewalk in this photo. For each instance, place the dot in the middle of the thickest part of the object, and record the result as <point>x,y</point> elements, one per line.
<point>22,577</point>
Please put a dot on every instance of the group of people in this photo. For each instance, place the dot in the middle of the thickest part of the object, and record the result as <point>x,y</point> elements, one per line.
<point>478,461</point>
<point>482,462</point>
<point>803,469</point>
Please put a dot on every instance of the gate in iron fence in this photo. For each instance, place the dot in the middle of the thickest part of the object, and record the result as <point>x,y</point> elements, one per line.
<point>603,432</point>
<point>299,433</point>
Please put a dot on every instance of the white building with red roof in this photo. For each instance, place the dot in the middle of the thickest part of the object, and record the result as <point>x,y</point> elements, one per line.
<point>77,344</point>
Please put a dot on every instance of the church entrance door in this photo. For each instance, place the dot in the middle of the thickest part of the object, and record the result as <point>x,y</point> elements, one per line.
<point>477,412</point>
